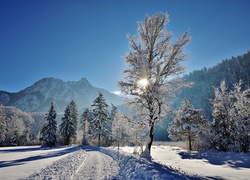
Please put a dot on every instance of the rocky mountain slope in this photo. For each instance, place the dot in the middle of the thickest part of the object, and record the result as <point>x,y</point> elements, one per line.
<point>37,98</point>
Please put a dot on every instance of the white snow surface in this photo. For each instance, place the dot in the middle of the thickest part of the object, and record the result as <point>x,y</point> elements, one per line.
<point>86,162</point>
<point>205,164</point>
<point>20,162</point>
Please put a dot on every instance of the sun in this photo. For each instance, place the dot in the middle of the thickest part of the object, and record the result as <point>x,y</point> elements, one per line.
<point>143,82</point>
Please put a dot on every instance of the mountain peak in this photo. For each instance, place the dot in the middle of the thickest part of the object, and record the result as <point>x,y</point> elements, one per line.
<point>48,80</point>
<point>37,97</point>
<point>81,83</point>
<point>84,81</point>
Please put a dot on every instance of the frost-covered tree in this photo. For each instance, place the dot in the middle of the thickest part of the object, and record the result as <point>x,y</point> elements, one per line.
<point>187,123</point>
<point>231,126</point>
<point>120,127</point>
<point>74,116</point>
<point>67,128</point>
<point>49,128</point>
<point>16,131</point>
<point>222,124</point>
<point>240,115</point>
<point>154,63</point>
<point>137,133</point>
<point>85,118</point>
<point>3,127</point>
<point>26,137</point>
<point>99,124</point>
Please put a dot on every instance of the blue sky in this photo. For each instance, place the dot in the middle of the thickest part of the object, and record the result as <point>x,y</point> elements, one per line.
<point>74,39</point>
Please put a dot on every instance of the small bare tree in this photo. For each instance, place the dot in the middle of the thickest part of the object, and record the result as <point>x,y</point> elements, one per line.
<point>154,65</point>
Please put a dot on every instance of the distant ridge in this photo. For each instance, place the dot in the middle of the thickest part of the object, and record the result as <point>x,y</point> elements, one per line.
<point>37,97</point>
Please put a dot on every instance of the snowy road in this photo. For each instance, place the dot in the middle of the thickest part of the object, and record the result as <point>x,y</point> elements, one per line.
<point>18,162</point>
<point>96,165</point>
<point>85,163</point>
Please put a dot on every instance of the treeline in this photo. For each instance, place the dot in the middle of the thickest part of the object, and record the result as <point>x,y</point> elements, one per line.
<point>228,131</point>
<point>98,126</point>
<point>202,92</point>
<point>16,127</point>
<point>222,96</point>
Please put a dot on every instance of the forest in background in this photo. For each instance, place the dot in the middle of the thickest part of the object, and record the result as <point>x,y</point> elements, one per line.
<point>205,80</point>
<point>200,94</point>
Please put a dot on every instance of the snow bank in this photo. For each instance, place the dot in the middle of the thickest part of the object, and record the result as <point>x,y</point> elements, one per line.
<point>135,167</point>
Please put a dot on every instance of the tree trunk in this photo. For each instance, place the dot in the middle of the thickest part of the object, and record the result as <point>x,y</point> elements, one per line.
<point>99,139</point>
<point>67,140</point>
<point>189,141</point>
<point>151,138</point>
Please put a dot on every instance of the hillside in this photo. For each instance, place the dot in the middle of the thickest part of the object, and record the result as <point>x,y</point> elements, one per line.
<point>37,97</point>
<point>230,70</point>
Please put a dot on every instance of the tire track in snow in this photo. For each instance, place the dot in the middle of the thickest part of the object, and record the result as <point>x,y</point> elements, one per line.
<point>97,165</point>
<point>72,177</point>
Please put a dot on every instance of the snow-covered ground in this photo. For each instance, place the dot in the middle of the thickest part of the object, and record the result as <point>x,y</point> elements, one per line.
<point>19,162</point>
<point>207,164</point>
<point>86,162</point>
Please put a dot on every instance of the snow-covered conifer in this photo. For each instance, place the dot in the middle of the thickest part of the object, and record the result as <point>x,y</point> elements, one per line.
<point>67,127</point>
<point>152,60</point>
<point>74,115</point>
<point>187,123</point>
<point>49,128</point>
<point>99,122</point>
<point>3,127</point>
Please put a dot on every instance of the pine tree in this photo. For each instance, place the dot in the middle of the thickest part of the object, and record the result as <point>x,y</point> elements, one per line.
<point>99,123</point>
<point>67,128</point>
<point>187,123</point>
<point>3,127</point>
<point>152,60</point>
<point>49,128</point>
<point>86,117</point>
<point>74,116</point>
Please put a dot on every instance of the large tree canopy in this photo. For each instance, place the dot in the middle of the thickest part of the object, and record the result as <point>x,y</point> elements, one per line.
<point>153,62</point>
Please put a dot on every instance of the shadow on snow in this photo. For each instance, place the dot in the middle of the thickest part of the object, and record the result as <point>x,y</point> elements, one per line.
<point>234,160</point>
<point>49,154</point>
